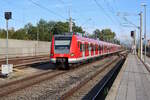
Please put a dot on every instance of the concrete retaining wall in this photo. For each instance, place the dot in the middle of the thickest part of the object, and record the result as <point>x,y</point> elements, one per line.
<point>19,48</point>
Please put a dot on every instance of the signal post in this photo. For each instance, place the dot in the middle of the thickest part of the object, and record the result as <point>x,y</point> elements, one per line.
<point>7,68</point>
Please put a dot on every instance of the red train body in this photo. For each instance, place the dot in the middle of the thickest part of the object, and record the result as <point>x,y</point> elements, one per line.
<point>69,49</point>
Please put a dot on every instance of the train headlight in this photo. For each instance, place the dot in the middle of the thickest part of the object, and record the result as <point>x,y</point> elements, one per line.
<point>72,54</point>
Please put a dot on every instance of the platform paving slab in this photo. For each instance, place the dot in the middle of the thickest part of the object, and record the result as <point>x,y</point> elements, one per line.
<point>132,82</point>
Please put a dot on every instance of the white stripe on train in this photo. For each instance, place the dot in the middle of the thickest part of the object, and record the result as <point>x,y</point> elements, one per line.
<point>76,60</point>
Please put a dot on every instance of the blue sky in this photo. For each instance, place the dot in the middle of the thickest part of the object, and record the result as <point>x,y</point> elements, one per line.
<point>85,13</point>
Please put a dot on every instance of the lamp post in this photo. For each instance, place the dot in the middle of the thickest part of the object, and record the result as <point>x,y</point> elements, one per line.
<point>141,43</point>
<point>144,5</point>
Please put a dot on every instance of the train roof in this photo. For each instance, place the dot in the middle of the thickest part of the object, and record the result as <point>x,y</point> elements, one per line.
<point>79,37</point>
<point>95,41</point>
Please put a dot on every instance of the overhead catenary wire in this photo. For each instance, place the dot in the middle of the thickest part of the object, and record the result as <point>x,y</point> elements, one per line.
<point>99,5</point>
<point>130,22</point>
<point>45,8</point>
<point>61,1</point>
<point>126,20</point>
<point>71,10</point>
<point>78,15</point>
<point>113,11</point>
<point>115,4</point>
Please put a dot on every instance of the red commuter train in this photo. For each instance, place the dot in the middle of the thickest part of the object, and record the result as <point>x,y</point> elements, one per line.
<point>71,49</point>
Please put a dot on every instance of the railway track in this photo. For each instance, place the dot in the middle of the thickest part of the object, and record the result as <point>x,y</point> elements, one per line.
<point>82,84</point>
<point>22,62</point>
<point>49,75</point>
<point>14,86</point>
<point>17,85</point>
<point>22,58</point>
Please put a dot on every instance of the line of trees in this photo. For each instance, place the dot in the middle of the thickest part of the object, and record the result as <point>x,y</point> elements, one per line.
<point>44,30</point>
<point>105,35</point>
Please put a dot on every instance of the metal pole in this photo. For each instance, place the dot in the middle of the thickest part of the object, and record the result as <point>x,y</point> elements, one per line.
<point>145,32</point>
<point>141,46</point>
<point>37,34</point>
<point>138,41</point>
<point>7,43</point>
<point>37,45</point>
<point>70,22</point>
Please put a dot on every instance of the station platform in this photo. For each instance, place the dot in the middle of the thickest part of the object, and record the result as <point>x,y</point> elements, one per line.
<point>132,82</point>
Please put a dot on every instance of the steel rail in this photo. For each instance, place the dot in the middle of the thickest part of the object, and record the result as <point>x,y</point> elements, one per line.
<point>10,85</point>
<point>74,89</point>
<point>17,85</point>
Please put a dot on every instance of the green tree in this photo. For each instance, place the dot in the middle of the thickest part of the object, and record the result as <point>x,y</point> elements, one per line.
<point>105,35</point>
<point>31,31</point>
<point>20,34</point>
<point>2,33</point>
<point>97,33</point>
<point>43,29</point>
<point>108,35</point>
<point>76,28</point>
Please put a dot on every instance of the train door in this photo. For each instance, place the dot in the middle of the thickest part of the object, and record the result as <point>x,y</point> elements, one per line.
<point>80,49</point>
<point>90,49</point>
<point>99,49</point>
<point>93,50</point>
<point>86,49</point>
<point>96,49</point>
<point>103,49</point>
<point>83,50</point>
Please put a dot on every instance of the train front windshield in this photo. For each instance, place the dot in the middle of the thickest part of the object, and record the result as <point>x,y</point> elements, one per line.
<point>62,44</point>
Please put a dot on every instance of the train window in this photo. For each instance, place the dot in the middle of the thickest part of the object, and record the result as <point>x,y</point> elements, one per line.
<point>62,44</point>
<point>81,47</point>
<point>89,47</point>
<point>99,47</point>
